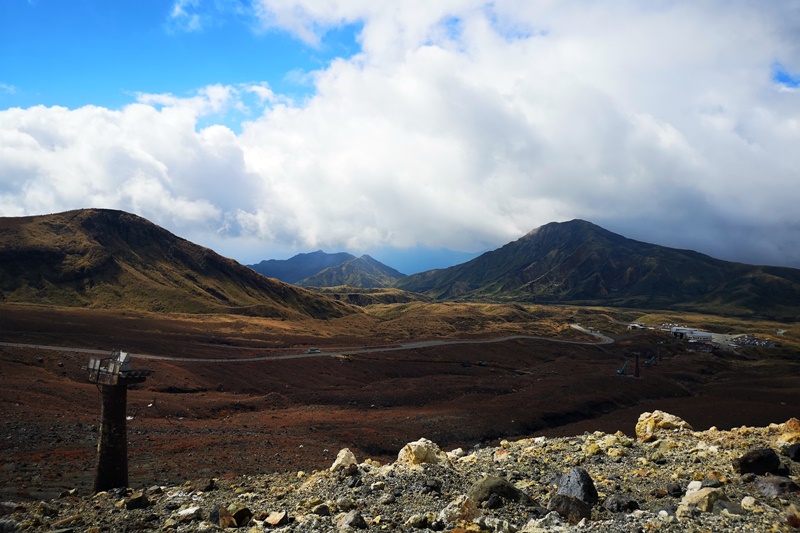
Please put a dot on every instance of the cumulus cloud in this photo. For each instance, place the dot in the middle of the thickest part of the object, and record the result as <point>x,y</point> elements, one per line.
<point>460,124</point>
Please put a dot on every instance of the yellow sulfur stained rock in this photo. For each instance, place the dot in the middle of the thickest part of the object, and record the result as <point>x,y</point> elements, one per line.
<point>650,423</point>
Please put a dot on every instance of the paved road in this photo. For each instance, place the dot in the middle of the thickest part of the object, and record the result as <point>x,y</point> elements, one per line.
<point>602,339</point>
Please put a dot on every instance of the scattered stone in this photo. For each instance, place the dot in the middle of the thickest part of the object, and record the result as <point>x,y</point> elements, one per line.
<point>761,461</point>
<point>224,518</point>
<point>776,486</point>
<point>650,423</point>
<point>793,452</point>
<point>344,459</point>
<point>674,490</point>
<point>489,485</point>
<point>703,500</point>
<point>462,509</point>
<point>240,513</point>
<point>353,519</point>
<point>277,518</point>
<point>578,483</point>
<point>420,452</point>
<point>790,433</point>
<point>190,513</point>
<point>616,503</point>
<point>202,485</point>
<point>345,504</point>
<point>321,510</point>
<point>570,508</point>
<point>137,500</point>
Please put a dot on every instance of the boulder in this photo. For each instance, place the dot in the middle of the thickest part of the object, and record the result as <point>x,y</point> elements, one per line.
<point>462,508</point>
<point>793,452</point>
<point>776,486</point>
<point>420,452</point>
<point>790,433</point>
<point>649,424</point>
<point>571,509</point>
<point>344,459</point>
<point>702,500</point>
<point>578,484</point>
<point>759,461</point>
<point>240,514</point>
<point>489,485</point>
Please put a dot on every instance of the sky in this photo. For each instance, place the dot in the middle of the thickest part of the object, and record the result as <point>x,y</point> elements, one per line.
<point>419,132</point>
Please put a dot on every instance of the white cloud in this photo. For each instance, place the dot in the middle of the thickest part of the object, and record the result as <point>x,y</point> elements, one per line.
<point>461,124</point>
<point>184,16</point>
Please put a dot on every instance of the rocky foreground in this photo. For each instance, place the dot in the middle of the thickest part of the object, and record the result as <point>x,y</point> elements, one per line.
<point>667,478</point>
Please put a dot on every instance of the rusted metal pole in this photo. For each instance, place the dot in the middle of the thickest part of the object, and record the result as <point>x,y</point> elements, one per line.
<point>112,443</point>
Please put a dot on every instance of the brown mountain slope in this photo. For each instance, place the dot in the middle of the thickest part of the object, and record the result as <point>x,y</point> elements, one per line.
<point>578,262</point>
<point>112,259</point>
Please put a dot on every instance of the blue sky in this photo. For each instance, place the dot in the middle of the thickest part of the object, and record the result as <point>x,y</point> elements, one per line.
<point>89,52</point>
<point>419,132</point>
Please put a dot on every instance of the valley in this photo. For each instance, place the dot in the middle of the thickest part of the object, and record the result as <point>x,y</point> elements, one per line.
<point>196,417</point>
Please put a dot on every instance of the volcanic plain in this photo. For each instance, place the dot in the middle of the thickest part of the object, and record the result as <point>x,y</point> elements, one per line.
<point>226,400</point>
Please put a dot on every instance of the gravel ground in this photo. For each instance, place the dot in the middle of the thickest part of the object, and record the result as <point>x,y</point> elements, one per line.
<point>667,477</point>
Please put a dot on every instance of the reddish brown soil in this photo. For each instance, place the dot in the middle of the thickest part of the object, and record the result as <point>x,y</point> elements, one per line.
<point>202,419</point>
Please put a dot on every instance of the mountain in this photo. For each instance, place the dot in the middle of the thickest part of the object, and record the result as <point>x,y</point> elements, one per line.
<point>579,262</point>
<point>364,272</point>
<point>112,259</point>
<point>300,266</point>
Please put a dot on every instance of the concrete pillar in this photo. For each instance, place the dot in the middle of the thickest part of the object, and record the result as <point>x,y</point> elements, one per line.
<point>112,443</point>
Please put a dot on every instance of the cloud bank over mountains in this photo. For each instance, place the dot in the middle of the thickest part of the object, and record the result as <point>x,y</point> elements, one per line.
<point>460,124</point>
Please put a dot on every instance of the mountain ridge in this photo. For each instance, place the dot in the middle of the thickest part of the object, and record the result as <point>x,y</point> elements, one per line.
<point>112,259</point>
<point>581,263</point>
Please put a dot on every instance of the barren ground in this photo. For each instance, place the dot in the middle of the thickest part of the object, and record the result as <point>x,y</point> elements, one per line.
<point>202,419</point>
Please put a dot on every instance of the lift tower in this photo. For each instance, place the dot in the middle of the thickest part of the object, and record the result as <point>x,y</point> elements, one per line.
<point>113,375</point>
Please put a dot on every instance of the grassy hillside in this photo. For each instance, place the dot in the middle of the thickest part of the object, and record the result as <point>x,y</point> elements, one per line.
<point>111,259</point>
<point>580,263</point>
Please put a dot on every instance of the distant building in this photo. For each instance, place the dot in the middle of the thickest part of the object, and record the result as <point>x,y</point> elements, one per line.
<point>680,332</point>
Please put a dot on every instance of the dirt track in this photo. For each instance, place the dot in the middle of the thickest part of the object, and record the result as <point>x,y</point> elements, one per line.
<point>204,419</point>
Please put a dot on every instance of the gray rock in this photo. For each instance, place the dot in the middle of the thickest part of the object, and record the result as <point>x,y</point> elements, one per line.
<point>321,510</point>
<point>571,509</point>
<point>240,513</point>
<point>793,452</point>
<point>353,519</point>
<point>775,486</point>
<point>578,484</point>
<point>675,490</point>
<point>137,501</point>
<point>483,489</point>
<point>616,503</point>
<point>760,461</point>
<point>345,504</point>
<point>387,499</point>
<point>8,526</point>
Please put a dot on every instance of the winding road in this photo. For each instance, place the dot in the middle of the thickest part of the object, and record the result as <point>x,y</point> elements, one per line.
<point>601,339</point>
